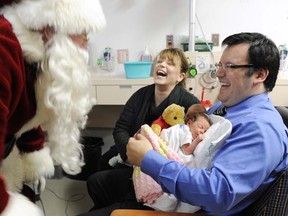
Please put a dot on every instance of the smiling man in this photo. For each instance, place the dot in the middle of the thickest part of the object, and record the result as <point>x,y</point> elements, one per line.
<point>257,148</point>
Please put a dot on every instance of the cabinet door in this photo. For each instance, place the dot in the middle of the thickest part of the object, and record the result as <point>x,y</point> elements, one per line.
<point>115,94</point>
<point>279,95</point>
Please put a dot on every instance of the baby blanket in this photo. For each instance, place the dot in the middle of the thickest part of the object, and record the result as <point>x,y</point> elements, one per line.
<point>146,189</point>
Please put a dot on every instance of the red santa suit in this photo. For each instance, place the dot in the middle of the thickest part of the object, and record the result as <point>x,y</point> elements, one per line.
<point>24,156</point>
<point>17,106</point>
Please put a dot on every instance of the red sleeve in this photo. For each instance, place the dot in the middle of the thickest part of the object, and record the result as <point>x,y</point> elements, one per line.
<point>17,98</point>
<point>31,141</point>
<point>11,74</point>
<point>3,195</point>
<point>10,60</point>
<point>17,94</point>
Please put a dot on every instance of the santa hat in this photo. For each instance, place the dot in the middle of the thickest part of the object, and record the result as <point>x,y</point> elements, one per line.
<point>66,16</point>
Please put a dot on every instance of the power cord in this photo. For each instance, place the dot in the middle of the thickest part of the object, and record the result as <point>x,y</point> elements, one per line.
<point>72,198</point>
<point>41,202</point>
<point>203,35</point>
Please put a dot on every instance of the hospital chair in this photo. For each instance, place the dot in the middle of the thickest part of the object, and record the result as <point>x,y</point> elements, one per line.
<point>274,201</point>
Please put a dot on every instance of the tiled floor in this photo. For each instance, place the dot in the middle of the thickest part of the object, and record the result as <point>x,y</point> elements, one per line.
<point>65,197</point>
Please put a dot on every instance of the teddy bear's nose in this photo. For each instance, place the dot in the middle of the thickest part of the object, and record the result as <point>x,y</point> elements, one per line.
<point>175,118</point>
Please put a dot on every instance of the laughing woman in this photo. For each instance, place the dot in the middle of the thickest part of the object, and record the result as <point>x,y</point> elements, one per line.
<point>112,188</point>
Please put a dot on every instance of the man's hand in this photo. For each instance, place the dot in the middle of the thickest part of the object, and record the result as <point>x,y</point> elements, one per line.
<point>137,147</point>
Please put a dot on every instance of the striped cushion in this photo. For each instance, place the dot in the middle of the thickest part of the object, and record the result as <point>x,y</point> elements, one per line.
<point>274,201</point>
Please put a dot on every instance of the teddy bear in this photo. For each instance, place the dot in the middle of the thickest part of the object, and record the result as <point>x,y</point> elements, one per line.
<point>172,115</point>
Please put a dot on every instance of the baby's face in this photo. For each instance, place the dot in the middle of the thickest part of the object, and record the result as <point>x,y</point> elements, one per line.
<point>200,126</point>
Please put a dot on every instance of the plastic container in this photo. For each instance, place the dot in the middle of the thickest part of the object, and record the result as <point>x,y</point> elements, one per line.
<point>146,56</point>
<point>200,47</point>
<point>137,70</point>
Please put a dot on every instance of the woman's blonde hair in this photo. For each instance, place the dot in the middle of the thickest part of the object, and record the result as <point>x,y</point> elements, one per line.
<point>177,57</point>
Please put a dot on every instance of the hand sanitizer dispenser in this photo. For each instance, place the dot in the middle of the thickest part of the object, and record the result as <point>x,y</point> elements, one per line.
<point>283,70</point>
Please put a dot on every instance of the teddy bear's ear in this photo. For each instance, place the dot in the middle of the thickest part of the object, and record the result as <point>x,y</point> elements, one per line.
<point>168,110</point>
<point>174,114</point>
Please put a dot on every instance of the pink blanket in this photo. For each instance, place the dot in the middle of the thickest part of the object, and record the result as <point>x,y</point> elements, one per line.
<point>146,189</point>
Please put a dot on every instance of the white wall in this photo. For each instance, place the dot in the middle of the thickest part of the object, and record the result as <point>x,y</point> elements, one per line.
<point>231,16</point>
<point>132,24</point>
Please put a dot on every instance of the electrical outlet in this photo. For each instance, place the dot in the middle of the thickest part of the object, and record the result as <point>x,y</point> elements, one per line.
<point>169,41</point>
<point>215,39</point>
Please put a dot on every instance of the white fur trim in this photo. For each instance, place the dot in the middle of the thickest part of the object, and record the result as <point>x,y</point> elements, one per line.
<point>12,170</point>
<point>20,205</point>
<point>37,164</point>
<point>67,16</point>
<point>30,41</point>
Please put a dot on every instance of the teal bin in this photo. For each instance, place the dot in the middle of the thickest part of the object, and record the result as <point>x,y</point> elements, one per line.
<point>137,70</point>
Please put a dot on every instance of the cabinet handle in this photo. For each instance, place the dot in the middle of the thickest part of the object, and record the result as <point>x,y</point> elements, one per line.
<point>125,86</point>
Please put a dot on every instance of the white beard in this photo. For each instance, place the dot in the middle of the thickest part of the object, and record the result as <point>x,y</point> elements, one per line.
<point>63,100</point>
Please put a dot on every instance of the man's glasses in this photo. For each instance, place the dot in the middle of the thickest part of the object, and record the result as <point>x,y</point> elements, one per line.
<point>232,66</point>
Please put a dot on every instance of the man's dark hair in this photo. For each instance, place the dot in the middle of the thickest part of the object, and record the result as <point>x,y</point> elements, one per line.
<point>262,53</point>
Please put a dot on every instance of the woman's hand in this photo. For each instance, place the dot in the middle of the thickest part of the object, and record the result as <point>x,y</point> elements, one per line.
<point>137,147</point>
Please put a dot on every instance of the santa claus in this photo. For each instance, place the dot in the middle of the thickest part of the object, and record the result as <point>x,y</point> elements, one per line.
<point>44,92</point>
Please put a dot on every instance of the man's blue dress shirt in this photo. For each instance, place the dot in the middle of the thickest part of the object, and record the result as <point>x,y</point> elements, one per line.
<point>241,170</point>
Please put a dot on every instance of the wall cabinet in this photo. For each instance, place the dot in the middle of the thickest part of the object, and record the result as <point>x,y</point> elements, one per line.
<point>117,90</point>
<point>112,93</point>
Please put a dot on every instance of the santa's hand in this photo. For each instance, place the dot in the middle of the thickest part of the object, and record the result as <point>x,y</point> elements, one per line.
<point>137,147</point>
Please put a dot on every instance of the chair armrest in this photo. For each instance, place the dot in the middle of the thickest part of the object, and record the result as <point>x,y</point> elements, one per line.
<point>130,212</point>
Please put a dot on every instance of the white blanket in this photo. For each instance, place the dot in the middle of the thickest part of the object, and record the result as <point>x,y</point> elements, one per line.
<point>215,136</point>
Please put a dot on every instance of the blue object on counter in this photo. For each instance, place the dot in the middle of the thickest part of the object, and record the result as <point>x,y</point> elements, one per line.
<point>137,70</point>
